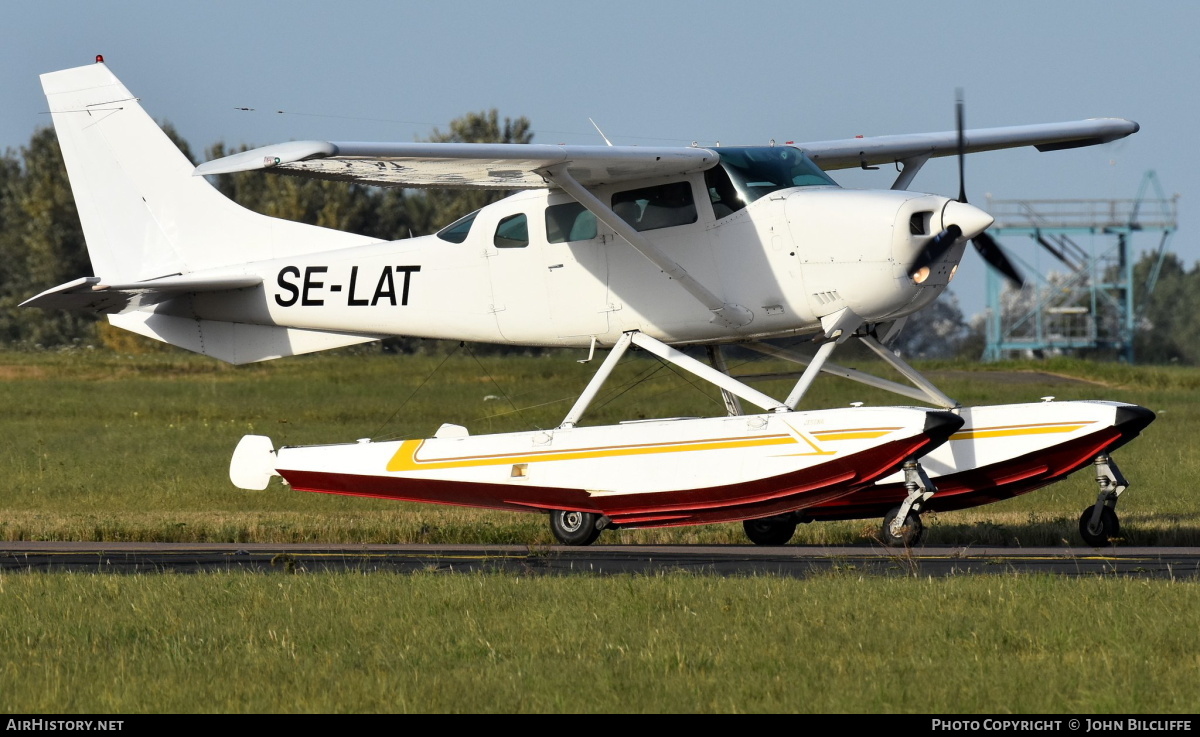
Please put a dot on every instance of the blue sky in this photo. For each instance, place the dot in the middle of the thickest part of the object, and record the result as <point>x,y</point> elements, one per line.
<point>658,72</point>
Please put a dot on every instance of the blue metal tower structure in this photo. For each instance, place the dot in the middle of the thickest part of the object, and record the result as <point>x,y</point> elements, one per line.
<point>1084,299</point>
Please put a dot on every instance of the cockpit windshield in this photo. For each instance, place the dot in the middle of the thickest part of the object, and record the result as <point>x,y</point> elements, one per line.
<point>759,171</point>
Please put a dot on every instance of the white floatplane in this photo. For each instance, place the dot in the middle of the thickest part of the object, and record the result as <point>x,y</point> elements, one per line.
<point>601,247</point>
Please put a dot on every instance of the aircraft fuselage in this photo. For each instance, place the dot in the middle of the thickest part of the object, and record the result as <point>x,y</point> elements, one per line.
<point>536,268</point>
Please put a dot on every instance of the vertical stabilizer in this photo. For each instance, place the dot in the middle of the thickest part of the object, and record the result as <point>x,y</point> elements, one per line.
<point>144,214</point>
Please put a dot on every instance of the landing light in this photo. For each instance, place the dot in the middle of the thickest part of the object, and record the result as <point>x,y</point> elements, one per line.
<point>921,275</point>
<point>953,271</point>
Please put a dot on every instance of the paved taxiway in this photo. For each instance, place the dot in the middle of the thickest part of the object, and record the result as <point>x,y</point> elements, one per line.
<point>726,560</point>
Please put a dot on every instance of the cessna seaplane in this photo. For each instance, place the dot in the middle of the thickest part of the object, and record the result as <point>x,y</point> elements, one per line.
<point>601,247</point>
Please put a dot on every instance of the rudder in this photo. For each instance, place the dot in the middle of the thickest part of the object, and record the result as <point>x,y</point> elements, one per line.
<point>144,214</point>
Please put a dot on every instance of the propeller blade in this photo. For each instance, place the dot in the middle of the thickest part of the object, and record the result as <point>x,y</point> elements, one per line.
<point>991,252</point>
<point>935,249</point>
<point>962,147</point>
<point>939,244</point>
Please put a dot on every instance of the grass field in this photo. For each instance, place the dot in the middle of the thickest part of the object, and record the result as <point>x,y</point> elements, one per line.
<point>677,643</point>
<point>101,446</point>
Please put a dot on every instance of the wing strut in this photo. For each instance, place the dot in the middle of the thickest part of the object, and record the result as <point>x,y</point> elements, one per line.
<point>724,313</point>
<point>912,165</point>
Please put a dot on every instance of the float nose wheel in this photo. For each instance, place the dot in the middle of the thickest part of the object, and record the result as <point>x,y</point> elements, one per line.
<point>575,528</point>
<point>770,530</point>
<point>905,533</point>
<point>1100,532</point>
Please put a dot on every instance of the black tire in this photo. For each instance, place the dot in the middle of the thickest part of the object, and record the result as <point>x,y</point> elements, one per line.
<point>910,533</point>
<point>574,528</point>
<point>770,530</point>
<point>1109,527</point>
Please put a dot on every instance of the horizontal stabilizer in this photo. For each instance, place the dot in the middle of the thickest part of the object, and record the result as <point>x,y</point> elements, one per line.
<point>93,294</point>
<point>234,342</point>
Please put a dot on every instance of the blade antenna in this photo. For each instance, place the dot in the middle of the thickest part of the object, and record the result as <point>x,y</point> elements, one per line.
<point>608,142</point>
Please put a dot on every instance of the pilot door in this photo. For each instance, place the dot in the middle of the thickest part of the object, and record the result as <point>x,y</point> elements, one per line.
<point>548,267</point>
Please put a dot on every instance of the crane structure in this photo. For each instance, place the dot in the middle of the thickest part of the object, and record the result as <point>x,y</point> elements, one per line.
<point>1079,292</point>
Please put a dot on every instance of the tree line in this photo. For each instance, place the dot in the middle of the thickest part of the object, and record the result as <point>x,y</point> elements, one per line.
<point>41,246</point>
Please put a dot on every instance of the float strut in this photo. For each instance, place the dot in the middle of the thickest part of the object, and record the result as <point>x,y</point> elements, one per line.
<point>1112,484</point>
<point>920,489</point>
<point>598,379</point>
<point>733,405</point>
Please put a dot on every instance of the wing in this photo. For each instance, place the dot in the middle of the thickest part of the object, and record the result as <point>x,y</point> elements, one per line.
<point>518,165</point>
<point>855,152</point>
<point>463,165</point>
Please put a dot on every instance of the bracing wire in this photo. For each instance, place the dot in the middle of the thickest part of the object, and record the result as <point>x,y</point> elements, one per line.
<point>414,392</point>
<point>494,383</point>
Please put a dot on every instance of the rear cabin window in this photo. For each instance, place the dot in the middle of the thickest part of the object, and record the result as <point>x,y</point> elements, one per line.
<point>569,222</point>
<point>457,231</point>
<point>512,232</point>
<point>651,208</point>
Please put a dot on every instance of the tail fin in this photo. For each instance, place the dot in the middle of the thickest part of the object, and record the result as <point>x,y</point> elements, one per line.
<point>144,214</point>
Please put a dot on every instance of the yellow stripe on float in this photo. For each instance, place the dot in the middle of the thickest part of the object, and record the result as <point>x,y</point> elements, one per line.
<point>406,459</point>
<point>1009,431</point>
<point>864,434</point>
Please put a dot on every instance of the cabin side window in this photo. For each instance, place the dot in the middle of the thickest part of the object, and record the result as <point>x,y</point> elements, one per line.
<point>457,231</point>
<point>721,192</point>
<point>651,208</point>
<point>512,232</point>
<point>570,221</point>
